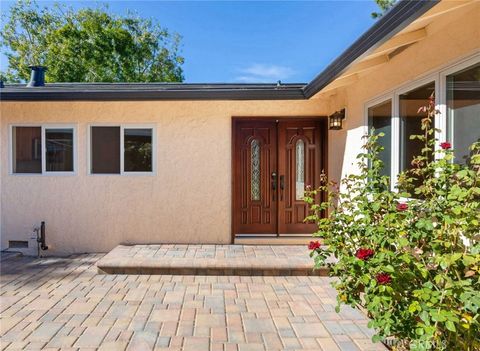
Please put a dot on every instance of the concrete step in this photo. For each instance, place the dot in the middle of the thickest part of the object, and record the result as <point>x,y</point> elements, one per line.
<point>245,260</point>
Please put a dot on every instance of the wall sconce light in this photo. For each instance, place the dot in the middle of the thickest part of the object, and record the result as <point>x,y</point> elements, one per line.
<point>336,120</point>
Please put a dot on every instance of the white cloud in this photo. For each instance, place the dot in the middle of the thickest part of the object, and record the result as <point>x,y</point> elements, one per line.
<point>262,73</point>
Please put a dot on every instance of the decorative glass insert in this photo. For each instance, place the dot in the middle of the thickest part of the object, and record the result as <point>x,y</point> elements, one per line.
<point>300,169</point>
<point>255,170</point>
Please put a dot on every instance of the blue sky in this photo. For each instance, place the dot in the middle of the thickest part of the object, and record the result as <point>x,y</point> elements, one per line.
<point>252,41</point>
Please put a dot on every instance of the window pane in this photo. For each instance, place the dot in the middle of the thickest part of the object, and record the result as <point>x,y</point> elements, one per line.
<point>138,150</point>
<point>410,123</point>
<point>300,169</point>
<point>380,118</point>
<point>463,107</point>
<point>59,150</point>
<point>27,150</point>
<point>105,150</point>
<point>255,170</point>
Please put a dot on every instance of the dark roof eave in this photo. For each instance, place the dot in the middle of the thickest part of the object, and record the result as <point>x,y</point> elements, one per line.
<point>145,95</point>
<point>401,15</point>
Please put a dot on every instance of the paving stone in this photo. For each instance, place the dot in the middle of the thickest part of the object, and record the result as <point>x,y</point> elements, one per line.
<point>210,320</point>
<point>165,315</point>
<point>45,332</point>
<point>259,325</point>
<point>63,303</point>
<point>196,343</point>
<point>92,337</point>
<point>310,330</point>
<point>328,344</point>
<point>62,341</point>
<point>142,340</point>
<point>250,347</point>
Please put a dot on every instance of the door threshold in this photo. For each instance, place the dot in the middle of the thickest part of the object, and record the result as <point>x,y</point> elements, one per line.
<point>255,235</point>
<point>273,240</point>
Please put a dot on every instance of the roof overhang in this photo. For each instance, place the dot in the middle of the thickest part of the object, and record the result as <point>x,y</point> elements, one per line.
<point>391,23</point>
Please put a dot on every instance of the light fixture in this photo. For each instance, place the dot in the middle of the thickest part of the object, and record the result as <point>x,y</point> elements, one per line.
<point>336,120</point>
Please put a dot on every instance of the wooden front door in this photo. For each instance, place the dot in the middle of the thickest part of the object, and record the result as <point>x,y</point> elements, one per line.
<point>273,162</point>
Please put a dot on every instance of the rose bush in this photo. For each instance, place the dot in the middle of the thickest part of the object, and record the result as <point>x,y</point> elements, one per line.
<point>409,256</point>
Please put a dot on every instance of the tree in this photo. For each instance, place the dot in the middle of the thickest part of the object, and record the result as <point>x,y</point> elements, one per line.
<point>384,5</point>
<point>88,45</point>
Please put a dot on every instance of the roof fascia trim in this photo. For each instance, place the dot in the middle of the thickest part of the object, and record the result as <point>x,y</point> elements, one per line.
<point>244,94</point>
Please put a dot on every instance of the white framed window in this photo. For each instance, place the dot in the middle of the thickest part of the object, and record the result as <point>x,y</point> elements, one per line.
<point>122,149</point>
<point>43,149</point>
<point>457,97</point>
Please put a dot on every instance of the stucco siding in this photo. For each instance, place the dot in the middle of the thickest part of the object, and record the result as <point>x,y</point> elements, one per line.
<point>187,201</point>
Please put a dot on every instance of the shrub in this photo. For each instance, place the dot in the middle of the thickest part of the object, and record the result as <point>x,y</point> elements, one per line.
<point>409,257</point>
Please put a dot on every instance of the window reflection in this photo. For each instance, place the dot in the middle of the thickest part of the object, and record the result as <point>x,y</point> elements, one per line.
<point>380,118</point>
<point>411,123</point>
<point>59,150</point>
<point>138,150</point>
<point>27,150</point>
<point>463,110</point>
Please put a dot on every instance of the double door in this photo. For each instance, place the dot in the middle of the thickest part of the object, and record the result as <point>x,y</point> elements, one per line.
<point>274,161</point>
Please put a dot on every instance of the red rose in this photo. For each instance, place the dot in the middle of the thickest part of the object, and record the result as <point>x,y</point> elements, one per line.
<point>383,278</point>
<point>446,145</point>
<point>402,207</point>
<point>364,254</point>
<point>314,245</point>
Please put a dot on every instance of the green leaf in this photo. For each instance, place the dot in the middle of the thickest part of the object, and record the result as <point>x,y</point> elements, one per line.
<point>450,326</point>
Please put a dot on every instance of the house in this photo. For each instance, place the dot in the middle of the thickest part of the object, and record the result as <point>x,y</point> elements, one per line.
<point>103,164</point>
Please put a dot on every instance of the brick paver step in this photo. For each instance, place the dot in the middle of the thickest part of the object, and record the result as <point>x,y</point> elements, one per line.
<point>244,260</point>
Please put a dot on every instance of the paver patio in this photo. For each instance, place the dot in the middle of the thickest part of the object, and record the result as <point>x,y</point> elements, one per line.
<point>63,303</point>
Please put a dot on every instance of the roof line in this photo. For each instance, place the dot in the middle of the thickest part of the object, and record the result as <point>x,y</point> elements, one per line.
<point>114,92</point>
<point>392,22</point>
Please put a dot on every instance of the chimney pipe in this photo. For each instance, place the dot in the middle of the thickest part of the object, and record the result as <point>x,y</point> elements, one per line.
<point>37,76</point>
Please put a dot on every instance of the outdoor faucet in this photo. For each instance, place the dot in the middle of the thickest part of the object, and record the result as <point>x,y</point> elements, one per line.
<point>41,239</point>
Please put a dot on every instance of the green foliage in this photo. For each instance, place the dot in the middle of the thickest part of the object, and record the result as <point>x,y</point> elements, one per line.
<point>88,45</point>
<point>384,5</point>
<point>424,237</point>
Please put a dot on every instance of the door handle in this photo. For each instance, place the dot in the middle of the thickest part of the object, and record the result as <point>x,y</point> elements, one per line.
<point>274,185</point>
<point>282,186</point>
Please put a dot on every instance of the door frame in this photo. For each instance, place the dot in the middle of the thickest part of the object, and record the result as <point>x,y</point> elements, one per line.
<point>236,119</point>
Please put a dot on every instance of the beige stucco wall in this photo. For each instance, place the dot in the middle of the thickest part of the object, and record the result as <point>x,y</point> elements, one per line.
<point>188,200</point>
<point>451,37</point>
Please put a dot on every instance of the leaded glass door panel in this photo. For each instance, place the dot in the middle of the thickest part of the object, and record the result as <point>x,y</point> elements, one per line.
<point>299,164</point>
<point>255,155</point>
